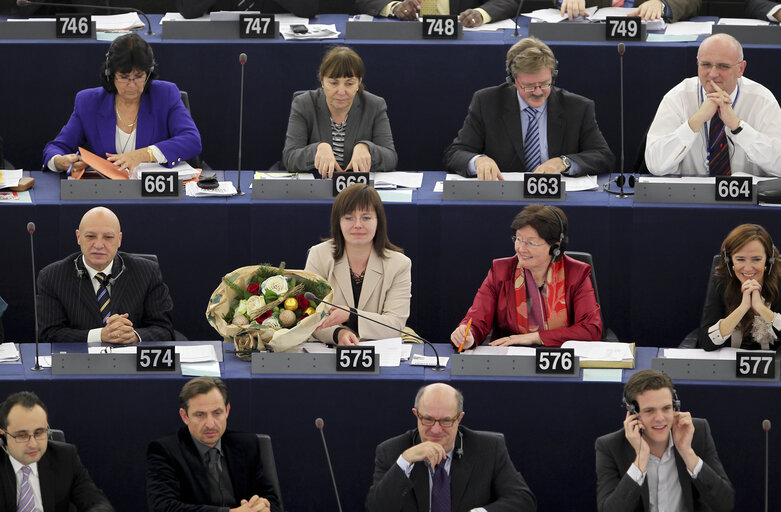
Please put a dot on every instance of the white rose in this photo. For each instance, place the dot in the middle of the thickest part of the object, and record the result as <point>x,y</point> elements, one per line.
<point>277,284</point>
<point>271,323</point>
<point>254,305</point>
<point>241,309</point>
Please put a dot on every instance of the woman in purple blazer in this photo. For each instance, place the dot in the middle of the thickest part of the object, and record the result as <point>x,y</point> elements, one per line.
<point>131,119</point>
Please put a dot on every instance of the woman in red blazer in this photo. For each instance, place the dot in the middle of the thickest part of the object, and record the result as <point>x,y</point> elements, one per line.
<point>540,296</point>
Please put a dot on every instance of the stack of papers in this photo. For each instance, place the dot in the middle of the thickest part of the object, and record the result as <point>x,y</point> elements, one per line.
<point>225,189</point>
<point>603,354</point>
<point>9,353</point>
<point>185,170</point>
<point>187,353</point>
<point>10,178</point>
<point>397,179</point>
<point>314,32</point>
<point>283,175</point>
<point>554,15</point>
<point>118,22</point>
<point>571,184</point>
<point>391,351</point>
<point>603,13</point>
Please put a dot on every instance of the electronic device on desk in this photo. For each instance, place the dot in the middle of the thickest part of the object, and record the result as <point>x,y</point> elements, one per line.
<point>25,183</point>
<point>769,191</point>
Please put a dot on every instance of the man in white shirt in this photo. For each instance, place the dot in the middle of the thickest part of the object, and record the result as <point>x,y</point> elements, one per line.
<point>37,474</point>
<point>663,459</point>
<point>764,10</point>
<point>718,122</point>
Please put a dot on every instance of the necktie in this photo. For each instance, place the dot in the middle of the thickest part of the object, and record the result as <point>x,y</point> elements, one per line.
<point>428,7</point>
<point>26,494</point>
<point>245,5</point>
<point>440,489</point>
<point>718,149</point>
<point>618,3</point>
<point>531,146</point>
<point>103,296</point>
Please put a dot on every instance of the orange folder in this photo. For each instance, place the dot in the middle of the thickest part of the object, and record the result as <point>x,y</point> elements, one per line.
<point>103,166</point>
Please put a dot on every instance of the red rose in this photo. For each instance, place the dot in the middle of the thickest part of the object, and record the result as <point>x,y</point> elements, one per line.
<point>302,302</point>
<point>254,288</point>
<point>263,316</point>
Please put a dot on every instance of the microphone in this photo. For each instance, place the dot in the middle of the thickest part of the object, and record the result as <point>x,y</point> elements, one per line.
<point>242,61</point>
<point>312,297</point>
<point>517,13</point>
<point>25,3</point>
<point>766,428</point>
<point>31,230</point>
<point>319,423</point>
<point>621,180</point>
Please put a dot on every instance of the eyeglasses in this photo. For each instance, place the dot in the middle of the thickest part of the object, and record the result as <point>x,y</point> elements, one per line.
<point>350,219</point>
<point>721,66</point>
<point>124,80</point>
<point>532,88</point>
<point>40,434</point>
<point>428,421</point>
<point>530,243</point>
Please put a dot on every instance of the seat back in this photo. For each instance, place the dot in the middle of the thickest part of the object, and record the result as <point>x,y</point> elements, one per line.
<point>586,257</point>
<point>691,340</point>
<point>270,465</point>
<point>197,161</point>
<point>56,434</point>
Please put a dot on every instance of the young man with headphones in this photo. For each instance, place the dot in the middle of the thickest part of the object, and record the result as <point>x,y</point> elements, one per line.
<point>443,466</point>
<point>528,124</point>
<point>662,459</point>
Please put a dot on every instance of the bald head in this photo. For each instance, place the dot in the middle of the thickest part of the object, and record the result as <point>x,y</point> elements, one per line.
<point>720,63</point>
<point>99,236</point>
<point>725,43</point>
<point>439,411</point>
<point>440,393</point>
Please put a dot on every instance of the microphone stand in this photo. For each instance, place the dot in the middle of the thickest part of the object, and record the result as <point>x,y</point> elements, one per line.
<point>31,230</point>
<point>621,180</point>
<point>242,61</point>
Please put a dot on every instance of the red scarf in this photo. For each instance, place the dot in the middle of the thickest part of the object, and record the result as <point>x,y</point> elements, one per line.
<point>541,310</point>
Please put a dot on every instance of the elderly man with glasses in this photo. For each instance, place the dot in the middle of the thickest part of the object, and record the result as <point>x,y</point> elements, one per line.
<point>38,474</point>
<point>528,124</point>
<point>718,122</point>
<point>442,466</point>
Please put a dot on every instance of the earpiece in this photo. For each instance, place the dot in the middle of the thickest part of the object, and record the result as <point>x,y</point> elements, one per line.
<point>460,450</point>
<point>555,249</point>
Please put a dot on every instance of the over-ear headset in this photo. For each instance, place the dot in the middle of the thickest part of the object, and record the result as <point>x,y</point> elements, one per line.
<point>555,249</point>
<point>81,271</point>
<point>634,408</point>
<point>726,257</point>
<point>512,54</point>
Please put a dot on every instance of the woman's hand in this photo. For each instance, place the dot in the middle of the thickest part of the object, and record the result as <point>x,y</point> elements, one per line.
<point>325,161</point>
<point>457,337</point>
<point>531,339</point>
<point>362,159</point>
<point>347,337</point>
<point>335,317</point>
<point>63,162</point>
<point>128,161</point>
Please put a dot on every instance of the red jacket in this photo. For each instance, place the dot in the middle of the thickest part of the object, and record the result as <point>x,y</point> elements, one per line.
<point>494,305</point>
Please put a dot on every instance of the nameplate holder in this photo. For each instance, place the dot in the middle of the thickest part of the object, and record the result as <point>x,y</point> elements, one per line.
<point>476,190</point>
<point>505,366</point>
<point>101,364</point>
<point>101,189</point>
<point>705,369</point>
<point>295,189</point>
<point>270,363</point>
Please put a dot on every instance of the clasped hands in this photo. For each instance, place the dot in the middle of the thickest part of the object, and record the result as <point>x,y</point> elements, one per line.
<point>487,170</point>
<point>752,299</point>
<point>326,164</point>
<point>255,504</point>
<point>682,432</point>
<point>650,10</point>
<point>408,11</point>
<point>118,329</point>
<point>719,101</point>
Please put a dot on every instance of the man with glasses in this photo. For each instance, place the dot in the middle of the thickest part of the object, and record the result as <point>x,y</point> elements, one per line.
<point>718,122</point>
<point>528,124</point>
<point>442,466</point>
<point>39,474</point>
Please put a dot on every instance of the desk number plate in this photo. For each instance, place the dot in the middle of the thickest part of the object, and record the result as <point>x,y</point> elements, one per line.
<point>559,361</point>
<point>753,365</point>
<point>623,28</point>
<point>342,180</point>
<point>159,183</point>
<point>542,186</point>
<point>440,27</point>
<point>155,359</point>
<point>74,26</point>
<point>256,26</point>
<point>355,359</point>
<point>733,188</point>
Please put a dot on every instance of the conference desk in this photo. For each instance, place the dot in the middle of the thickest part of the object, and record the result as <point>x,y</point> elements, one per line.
<point>651,260</point>
<point>550,425</point>
<point>427,86</point>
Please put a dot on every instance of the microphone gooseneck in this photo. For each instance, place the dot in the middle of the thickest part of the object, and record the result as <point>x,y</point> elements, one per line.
<point>31,230</point>
<point>242,61</point>
<point>319,423</point>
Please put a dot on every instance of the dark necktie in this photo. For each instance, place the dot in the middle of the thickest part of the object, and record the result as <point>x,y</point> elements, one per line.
<point>245,5</point>
<point>718,149</point>
<point>219,481</point>
<point>531,146</point>
<point>103,296</point>
<point>440,489</point>
<point>26,494</point>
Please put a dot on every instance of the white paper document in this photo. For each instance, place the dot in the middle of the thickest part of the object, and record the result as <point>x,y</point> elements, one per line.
<point>388,350</point>
<point>8,353</point>
<point>225,189</point>
<point>315,32</point>
<point>604,12</point>
<point>571,184</point>
<point>600,350</point>
<point>207,369</point>
<point>187,353</point>
<point>489,350</point>
<point>508,24</point>
<point>397,179</point>
<point>10,177</point>
<point>185,170</point>
<point>421,360</point>
<point>724,354</point>
<point>745,22</point>
<point>689,27</point>
<point>118,22</point>
<point>554,15</point>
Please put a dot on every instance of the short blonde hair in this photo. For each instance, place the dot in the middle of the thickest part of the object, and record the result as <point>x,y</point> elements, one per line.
<point>529,55</point>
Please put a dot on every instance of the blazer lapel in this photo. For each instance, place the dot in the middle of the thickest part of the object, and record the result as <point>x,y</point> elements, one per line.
<point>343,280</point>
<point>108,127</point>
<point>511,117</point>
<point>509,305</point>
<point>145,122</point>
<point>685,481</point>
<point>194,462</point>
<point>460,472</point>
<point>556,124</point>
<point>419,477</point>
<point>7,484</point>
<point>323,118</point>
<point>371,279</point>
<point>47,478</point>
<point>118,287</point>
<point>354,118</point>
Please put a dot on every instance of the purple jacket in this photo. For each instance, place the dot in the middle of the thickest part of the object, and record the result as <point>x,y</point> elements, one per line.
<point>163,120</point>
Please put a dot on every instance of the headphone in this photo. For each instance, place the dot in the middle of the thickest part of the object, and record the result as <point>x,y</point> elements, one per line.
<point>634,408</point>
<point>108,71</point>
<point>81,271</point>
<point>769,262</point>
<point>555,249</point>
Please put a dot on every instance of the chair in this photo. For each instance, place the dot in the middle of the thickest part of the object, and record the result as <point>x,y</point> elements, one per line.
<point>277,166</point>
<point>56,435</point>
<point>269,465</point>
<point>585,257</point>
<point>178,336</point>
<point>198,160</point>
<point>690,341</point>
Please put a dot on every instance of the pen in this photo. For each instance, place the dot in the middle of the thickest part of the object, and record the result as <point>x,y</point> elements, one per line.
<point>468,325</point>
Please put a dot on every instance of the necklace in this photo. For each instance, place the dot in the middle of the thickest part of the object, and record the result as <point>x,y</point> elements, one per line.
<point>129,125</point>
<point>357,278</point>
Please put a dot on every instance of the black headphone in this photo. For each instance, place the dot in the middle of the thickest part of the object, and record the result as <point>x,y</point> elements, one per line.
<point>108,71</point>
<point>555,249</point>
<point>769,262</point>
<point>634,408</point>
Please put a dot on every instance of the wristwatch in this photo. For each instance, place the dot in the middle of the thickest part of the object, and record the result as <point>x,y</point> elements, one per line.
<point>738,129</point>
<point>567,162</point>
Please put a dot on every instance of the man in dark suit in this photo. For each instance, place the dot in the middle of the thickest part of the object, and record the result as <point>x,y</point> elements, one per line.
<point>39,474</point>
<point>100,294</point>
<point>472,13</point>
<point>205,467</point>
<point>663,459</point>
<point>764,10</point>
<point>197,8</point>
<point>529,125</point>
<point>442,466</point>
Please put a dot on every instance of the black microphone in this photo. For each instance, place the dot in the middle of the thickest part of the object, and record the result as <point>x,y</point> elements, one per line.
<point>31,230</point>
<point>766,428</point>
<point>621,180</point>
<point>518,13</point>
<point>311,297</point>
<point>25,3</point>
<point>242,61</point>
<point>319,423</point>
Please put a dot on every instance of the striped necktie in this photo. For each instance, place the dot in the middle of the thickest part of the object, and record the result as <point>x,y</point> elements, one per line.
<point>26,494</point>
<point>531,146</point>
<point>718,149</point>
<point>103,296</point>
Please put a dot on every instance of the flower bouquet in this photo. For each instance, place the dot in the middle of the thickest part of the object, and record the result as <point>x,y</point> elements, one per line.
<point>264,308</point>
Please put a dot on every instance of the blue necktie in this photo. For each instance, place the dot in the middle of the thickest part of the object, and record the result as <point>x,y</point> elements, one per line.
<point>103,296</point>
<point>440,488</point>
<point>26,494</point>
<point>718,149</point>
<point>531,146</point>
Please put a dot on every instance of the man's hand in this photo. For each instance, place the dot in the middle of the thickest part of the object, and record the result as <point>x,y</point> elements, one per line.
<point>362,159</point>
<point>632,427</point>
<point>62,162</point>
<point>573,8</point>
<point>471,18</point>
<point>650,10</point>
<point>325,161</point>
<point>552,166</point>
<point>255,504</point>
<point>683,433</point>
<point>407,10</point>
<point>457,337</point>
<point>118,329</point>
<point>487,170</point>
<point>706,111</point>
<point>429,451</point>
<point>724,102</point>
